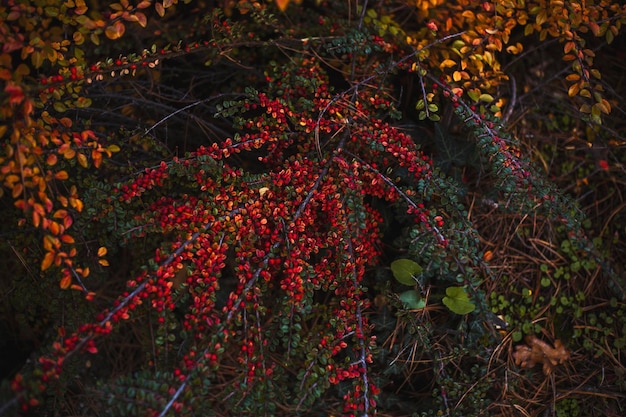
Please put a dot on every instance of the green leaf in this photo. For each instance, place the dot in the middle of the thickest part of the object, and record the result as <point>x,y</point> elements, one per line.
<point>59,107</point>
<point>474,95</point>
<point>457,301</point>
<point>412,300</point>
<point>404,271</point>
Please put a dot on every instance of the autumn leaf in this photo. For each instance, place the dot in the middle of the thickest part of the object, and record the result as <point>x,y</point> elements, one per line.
<point>536,351</point>
<point>47,261</point>
<point>16,94</point>
<point>159,9</point>
<point>65,282</point>
<point>282,4</point>
<point>115,31</point>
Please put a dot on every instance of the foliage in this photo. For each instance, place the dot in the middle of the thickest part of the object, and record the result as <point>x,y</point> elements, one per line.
<point>240,193</point>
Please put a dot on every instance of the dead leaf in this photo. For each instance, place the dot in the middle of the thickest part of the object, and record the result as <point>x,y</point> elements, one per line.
<point>537,351</point>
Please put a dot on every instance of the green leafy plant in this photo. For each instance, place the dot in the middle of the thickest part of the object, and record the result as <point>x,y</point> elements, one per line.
<point>406,271</point>
<point>457,301</point>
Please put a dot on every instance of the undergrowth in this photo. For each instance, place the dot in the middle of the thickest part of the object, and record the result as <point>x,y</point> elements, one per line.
<point>312,209</point>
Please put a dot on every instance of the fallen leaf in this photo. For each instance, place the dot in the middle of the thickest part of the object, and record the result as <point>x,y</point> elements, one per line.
<point>536,351</point>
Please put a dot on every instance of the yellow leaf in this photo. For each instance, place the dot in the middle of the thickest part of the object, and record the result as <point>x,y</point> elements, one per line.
<point>49,243</point>
<point>77,204</point>
<point>82,160</point>
<point>604,106</point>
<point>528,29</point>
<point>447,63</point>
<point>78,37</point>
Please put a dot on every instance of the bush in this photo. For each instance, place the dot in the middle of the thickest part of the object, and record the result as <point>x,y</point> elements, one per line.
<point>270,210</point>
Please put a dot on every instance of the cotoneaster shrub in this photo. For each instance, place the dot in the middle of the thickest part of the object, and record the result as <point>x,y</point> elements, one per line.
<point>254,182</point>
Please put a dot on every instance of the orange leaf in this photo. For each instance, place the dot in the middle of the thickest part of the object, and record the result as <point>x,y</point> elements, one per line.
<point>16,94</point>
<point>65,282</point>
<point>65,121</point>
<point>141,19</point>
<point>47,261</point>
<point>115,31</point>
<point>54,228</point>
<point>67,239</point>
<point>102,251</point>
<point>568,47</point>
<point>77,204</point>
<point>17,190</point>
<point>282,4</point>
<point>36,219</point>
<point>51,159</point>
<point>60,214</point>
<point>97,158</point>
<point>595,28</point>
<point>159,9</point>
<point>61,175</point>
<point>49,243</point>
<point>67,222</point>
<point>573,90</point>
